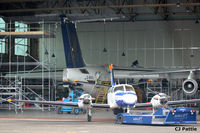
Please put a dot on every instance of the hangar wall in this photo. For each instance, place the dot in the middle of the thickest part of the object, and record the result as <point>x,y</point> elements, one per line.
<point>53,46</point>
<point>152,43</point>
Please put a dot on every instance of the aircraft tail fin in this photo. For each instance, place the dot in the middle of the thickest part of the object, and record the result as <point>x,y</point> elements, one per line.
<point>72,49</point>
<point>112,75</point>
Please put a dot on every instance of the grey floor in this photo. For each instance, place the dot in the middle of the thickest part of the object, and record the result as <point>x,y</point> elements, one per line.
<point>37,121</point>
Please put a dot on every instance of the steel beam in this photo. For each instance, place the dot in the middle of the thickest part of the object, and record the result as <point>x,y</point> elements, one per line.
<point>20,1</point>
<point>98,7</point>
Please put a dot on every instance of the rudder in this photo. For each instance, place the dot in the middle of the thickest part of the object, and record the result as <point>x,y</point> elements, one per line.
<point>73,55</point>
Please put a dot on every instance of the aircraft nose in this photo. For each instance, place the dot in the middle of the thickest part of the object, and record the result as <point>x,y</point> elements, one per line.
<point>129,99</point>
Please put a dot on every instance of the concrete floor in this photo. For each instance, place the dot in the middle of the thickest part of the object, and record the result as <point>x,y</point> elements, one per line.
<point>37,121</point>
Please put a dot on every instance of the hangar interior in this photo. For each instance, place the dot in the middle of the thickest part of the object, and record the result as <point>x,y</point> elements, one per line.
<point>156,33</point>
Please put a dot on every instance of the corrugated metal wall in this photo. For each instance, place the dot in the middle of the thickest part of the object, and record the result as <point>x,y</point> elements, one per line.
<point>153,44</point>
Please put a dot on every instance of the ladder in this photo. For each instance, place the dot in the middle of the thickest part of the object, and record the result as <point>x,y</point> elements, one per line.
<point>101,95</point>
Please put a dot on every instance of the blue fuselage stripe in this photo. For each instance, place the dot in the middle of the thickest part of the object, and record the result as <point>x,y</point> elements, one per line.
<point>124,93</point>
<point>120,101</point>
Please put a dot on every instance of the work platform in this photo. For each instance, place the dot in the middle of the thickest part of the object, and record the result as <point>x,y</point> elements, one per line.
<point>27,34</point>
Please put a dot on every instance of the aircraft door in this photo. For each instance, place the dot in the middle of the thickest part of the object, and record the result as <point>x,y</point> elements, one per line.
<point>65,75</point>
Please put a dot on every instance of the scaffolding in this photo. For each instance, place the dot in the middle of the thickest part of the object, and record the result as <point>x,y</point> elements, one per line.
<point>10,90</point>
<point>39,82</point>
<point>157,87</point>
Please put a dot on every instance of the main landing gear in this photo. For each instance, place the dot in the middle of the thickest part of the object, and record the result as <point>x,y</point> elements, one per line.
<point>89,115</point>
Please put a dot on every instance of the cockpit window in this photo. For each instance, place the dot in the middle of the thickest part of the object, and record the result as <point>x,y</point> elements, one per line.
<point>129,88</point>
<point>84,71</point>
<point>120,88</point>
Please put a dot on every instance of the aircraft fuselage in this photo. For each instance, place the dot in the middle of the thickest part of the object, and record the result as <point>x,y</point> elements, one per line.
<point>88,75</point>
<point>122,95</point>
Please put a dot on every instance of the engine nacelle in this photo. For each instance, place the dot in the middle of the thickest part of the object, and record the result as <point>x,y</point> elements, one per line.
<point>190,86</point>
<point>159,100</point>
<point>85,101</point>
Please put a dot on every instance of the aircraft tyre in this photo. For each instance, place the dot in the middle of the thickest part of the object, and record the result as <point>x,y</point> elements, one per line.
<point>119,119</point>
<point>59,110</point>
<point>89,118</point>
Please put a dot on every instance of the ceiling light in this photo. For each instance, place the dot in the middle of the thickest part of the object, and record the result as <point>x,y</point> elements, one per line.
<point>192,55</point>
<point>53,55</point>
<point>123,54</point>
<point>104,50</point>
<point>177,4</point>
<point>46,52</point>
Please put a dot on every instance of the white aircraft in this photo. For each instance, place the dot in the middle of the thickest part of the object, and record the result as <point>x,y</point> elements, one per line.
<point>120,98</point>
<point>90,76</point>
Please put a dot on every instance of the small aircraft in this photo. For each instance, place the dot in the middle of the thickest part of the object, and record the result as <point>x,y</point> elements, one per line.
<point>120,98</point>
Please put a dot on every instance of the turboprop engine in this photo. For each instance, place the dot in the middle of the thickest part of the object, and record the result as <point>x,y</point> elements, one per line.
<point>190,85</point>
<point>85,101</point>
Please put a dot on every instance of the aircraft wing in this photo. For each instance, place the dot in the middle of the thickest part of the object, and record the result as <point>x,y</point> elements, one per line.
<point>72,104</point>
<point>96,105</point>
<point>150,73</point>
<point>140,71</point>
<point>183,102</point>
<point>143,105</point>
<point>178,102</point>
<point>133,69</point>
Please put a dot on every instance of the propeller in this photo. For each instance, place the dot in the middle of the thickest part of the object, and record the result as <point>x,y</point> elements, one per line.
<point>85,100</point>
<point>164,98</point>
<point>159,100</point>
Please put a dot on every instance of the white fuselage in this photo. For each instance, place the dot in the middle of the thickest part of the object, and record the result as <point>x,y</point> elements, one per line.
<point>90,75</point>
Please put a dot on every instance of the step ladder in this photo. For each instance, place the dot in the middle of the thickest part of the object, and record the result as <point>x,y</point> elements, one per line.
<point>101,95</point>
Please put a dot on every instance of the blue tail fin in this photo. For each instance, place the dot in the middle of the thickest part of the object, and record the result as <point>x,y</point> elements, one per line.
<point>111,75</point>
<point>72,49</point>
